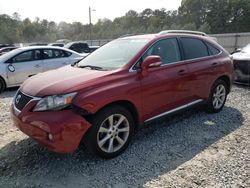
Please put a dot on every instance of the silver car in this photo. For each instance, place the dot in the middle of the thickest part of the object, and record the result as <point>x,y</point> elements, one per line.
<point>20,64</point>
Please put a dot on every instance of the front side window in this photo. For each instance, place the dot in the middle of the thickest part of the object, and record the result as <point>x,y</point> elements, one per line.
<point>193,48</point>
<point>30,55</point>
<point>167,49</point>
<point>114,54</point>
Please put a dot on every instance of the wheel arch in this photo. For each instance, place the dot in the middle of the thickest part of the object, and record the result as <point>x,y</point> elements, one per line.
<point>4,81</point>
<point>226,79</point>
<point>127,105</point>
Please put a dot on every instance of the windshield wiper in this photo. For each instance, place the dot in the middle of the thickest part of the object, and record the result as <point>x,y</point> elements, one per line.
<point>91,67</point>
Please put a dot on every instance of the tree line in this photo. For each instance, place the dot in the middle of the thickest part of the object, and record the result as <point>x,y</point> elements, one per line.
<point>210,16</point>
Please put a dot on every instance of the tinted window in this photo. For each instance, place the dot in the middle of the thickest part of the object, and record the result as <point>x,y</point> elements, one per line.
<point>212,50</point>
<point>167,49</point>
<point>67,54</point>
<point>194,48</point>
<point>47,54</point>
<point>30,55</point>
<point>80,47</point>
<point>58,53</point>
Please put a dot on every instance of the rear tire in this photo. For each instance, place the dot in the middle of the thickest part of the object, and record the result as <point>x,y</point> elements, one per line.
<point>217,97</point>
<point>111,131</point>
<point>2,85</point>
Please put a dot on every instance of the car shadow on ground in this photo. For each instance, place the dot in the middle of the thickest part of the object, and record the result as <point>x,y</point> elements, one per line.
<point>242,84</point>
<point>155,150</point>
<point>9,92</point>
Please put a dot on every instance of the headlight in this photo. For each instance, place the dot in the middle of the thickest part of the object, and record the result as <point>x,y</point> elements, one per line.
<point>55,102</point>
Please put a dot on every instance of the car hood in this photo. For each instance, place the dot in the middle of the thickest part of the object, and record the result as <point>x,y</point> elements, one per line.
<point>60,81</point>
<point>241,56</point>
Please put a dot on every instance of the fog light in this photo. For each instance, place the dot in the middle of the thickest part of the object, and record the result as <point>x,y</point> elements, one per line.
<point>50,136</point>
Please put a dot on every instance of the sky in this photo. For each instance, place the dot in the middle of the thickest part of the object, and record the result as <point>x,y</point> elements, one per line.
<point>78,10</point>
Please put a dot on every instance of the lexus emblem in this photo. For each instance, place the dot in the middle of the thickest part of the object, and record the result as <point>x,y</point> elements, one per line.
<point>18,99</point>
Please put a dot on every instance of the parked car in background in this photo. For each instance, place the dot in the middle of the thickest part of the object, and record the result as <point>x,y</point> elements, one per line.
<point>241,60</point>
<point>22,63</point>
<point>56,44</point>
<point>6,45</point>
<point>93,48</point>
<point>38,44</point>
<point>79,46</point>
<point>109,94</point>
<point>7,49</point>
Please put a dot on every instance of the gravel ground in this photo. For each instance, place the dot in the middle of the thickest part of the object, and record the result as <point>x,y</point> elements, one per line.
<point>192,149</point>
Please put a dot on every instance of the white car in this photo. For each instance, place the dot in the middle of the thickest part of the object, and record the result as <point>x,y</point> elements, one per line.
<point>20,64</point>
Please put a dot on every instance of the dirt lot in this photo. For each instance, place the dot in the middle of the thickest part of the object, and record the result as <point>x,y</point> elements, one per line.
<point>192,149</point>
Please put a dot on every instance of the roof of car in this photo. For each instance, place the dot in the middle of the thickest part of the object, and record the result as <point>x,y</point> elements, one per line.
<point>41,47</point>
<point>18,50</point>
<point>144,36</point>
<point>10,47</point>
<point>169,33</point>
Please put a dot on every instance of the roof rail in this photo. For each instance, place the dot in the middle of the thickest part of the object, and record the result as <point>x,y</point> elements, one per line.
<point>182,31</point>
<point>129,35</point>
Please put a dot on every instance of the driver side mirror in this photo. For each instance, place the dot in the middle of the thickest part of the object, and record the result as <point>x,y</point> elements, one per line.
<point>150,62</point>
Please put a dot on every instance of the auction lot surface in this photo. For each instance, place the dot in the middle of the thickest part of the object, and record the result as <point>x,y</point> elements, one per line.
<point>192,149</point>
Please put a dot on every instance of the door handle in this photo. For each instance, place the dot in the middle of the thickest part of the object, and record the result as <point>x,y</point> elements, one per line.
<point>37,66</point>
<point>182,72</point>
<point>214,64</point>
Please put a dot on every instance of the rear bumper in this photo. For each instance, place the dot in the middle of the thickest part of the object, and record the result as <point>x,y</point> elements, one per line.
<point>65,127</point>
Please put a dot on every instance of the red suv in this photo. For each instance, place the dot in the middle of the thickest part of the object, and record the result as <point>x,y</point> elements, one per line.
<point>105,97</point>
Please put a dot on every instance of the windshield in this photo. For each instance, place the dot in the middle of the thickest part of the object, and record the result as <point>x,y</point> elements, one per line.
<point>8,55</point>
<point>246,49</point>
<point>115,54</point>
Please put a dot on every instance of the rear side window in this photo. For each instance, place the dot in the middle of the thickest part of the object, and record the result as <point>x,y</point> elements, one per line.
<point>47,54</point>
<point>194,48</point>
<point>54,53</point>
<point>167,49</point>
<point>212,50</point>
<point>67,54</point>
<point>58,53</point>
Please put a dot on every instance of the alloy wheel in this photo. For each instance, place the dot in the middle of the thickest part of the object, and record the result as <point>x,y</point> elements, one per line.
<point>219,96</point>
<point>113,133</point>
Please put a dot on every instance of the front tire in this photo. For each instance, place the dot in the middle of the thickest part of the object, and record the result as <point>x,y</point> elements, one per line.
<point>2,85</point>
<point>217,97</point>
<point>111,131</point>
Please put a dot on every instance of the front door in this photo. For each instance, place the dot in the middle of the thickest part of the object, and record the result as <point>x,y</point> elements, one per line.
<point>164,88</point>
<point>23,66</point>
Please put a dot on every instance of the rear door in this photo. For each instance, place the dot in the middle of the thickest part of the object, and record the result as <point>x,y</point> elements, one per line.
<point>55,58</point>
<point>164,88</point>
<point>202,66</point>
<point>23,66</point>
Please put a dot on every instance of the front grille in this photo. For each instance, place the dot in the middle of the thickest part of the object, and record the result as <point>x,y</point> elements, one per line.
<point>21,100</point>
